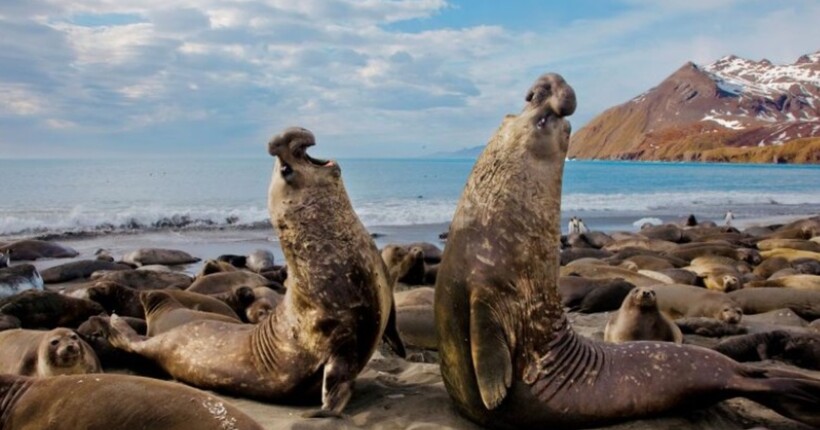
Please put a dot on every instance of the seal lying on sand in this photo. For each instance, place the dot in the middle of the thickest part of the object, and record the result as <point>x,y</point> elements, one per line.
<point>337,306</point>
<point>509,357</point>
<point>113,402</point>
<point>163,313</point>
<point>47,309</point>
<point>28,250</point>
<point>639,319</point>
<point>78,270</point>
<point>46,353</point>
<point>166,257</point>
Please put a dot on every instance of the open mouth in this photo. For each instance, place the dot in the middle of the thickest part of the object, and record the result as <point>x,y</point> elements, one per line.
<point>301,152</point>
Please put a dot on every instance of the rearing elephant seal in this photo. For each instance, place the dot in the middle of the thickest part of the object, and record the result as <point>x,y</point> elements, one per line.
<point>337,305</point>
<point>509,357</point>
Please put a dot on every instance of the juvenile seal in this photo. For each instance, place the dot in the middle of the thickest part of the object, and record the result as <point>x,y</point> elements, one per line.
<point>509,357</point>
<point>802,350</point>
<point>592,295</point>
<point>222,282</point>
<point>166,257</point>
<point>79,270</point>
<point>260,260</point>
<point>29,249</point>
<point>640,319</point>
<point>679,301</point>
<point>337,306</point>
<point>125,301</point>
<point>113,402</point>
<point>164,313</point>
<point>795,282</point>
<point>805,303</point>
<point>144,279</point>
<point>46,353</point>
<point>48,309</point>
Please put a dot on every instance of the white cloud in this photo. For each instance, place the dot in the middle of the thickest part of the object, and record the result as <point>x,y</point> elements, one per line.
<point>241,70</point>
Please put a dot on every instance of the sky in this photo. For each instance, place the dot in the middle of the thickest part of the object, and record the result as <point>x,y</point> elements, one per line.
<point>398,78</point>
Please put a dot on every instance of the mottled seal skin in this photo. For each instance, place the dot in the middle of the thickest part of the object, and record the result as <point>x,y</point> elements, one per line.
<point>509,358</point>
<point>639,319</point>
<point>48,309</point>
<point>163,313</point>
<point>95,333</point>
<point>19,278</point>
<point>46,353</point>
<point>337,306</point>
<point>79,270</point>
<point>112,402</point>
<point>28,250</point>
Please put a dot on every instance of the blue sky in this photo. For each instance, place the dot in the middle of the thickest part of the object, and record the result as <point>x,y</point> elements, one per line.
<point>111,78</point>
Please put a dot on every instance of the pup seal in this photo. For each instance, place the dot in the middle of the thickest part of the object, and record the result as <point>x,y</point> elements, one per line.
<point>113,402</point>
<point>166,257</point>
<point>46,353</point>
<point>639,319</point>
<point>47,309</point>
<point>337,306</point>
<point>29,249</point>
<point>509,357</point>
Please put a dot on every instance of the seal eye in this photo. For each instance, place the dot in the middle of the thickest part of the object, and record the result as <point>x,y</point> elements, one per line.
<point>54,342</point>
<point>73,337</point>
<point>287,172</point>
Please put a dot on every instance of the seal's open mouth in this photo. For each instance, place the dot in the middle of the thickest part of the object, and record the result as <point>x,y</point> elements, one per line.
<point>301,152</point>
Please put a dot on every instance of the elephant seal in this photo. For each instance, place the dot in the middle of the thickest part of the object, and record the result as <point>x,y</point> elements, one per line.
<point>19,278</point>
<point>509,358</point>
<point>222,282</point>
<point>251,304</point>
<point>164,313</point>
<point>587,295</point>
<point>572,254</point>
<point>144,279</point>
<point>805,303</point>
<point>639,318</point>
<point>790,254</point>
<point>165,257</point>
<point>795,282</point>
<point>113,402</point>
<point>770,266</point>
<point>337,306</point>
<point>29,250</point>
<point>679,301</point>
<point>405,265</point>
<point>216,266</point>
<point>260,260</point>
<point>95,333</point>
<point>415,317</point>
<point>801,350</point>
<point>604,271</point>
<point>125,301</point>
<point>47,309</point>
<point>79,270</point>
<point>46,353</point>
<point>800,244</point>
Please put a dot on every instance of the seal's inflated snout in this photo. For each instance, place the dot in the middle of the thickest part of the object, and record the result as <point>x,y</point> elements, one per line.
<point>292,144</point>
<point>550,91</point>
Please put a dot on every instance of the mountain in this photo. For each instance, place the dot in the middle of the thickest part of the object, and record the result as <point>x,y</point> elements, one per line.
<point>472,152</point>
<point>731,110</point>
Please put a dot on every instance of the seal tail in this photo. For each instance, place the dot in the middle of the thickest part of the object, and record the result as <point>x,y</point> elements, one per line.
<point>790,394</point>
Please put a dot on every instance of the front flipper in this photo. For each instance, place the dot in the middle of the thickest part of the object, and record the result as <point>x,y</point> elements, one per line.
<point>337,384</point>
<point>391,334</point>
<point>491,354</point>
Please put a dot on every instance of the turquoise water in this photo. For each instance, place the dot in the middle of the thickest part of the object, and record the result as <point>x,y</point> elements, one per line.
<point>87,195</point>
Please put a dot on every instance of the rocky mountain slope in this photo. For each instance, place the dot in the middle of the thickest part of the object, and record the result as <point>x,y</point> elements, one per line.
<point>731,110</point>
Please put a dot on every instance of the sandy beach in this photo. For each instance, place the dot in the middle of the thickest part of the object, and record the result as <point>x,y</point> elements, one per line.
<point>393,393</point>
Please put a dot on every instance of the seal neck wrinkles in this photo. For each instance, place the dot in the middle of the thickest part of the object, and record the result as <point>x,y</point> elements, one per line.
<point>11,389</point>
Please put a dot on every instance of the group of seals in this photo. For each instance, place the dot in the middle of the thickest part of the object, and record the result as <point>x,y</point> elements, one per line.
<point>509,358</point>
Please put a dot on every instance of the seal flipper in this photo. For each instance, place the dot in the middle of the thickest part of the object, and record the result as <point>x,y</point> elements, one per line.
<point>337,386</point>
<point>391,334</point>
<point>790,394</point>
<point>491,354</point>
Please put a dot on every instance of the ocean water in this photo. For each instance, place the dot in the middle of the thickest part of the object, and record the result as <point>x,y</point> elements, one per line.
<point>75,196</point>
